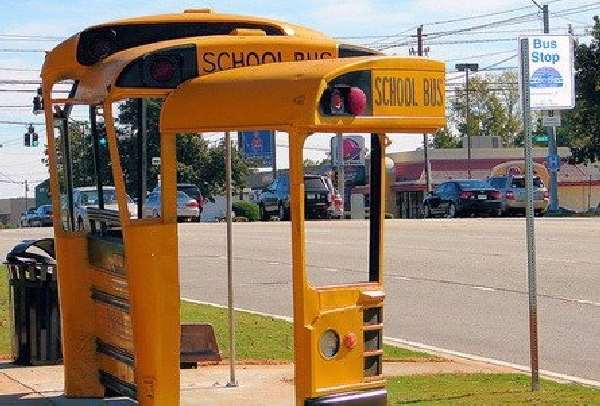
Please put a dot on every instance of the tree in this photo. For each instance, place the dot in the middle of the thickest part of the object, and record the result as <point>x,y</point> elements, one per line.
<point>493,107</point>
<point>444,139</point>
<point>197,161</point>
<point>581,126</point>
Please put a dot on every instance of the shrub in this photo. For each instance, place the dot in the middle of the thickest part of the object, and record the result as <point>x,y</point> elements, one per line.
<point>246,209</point>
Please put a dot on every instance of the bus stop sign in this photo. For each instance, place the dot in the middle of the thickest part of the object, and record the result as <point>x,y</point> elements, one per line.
<point>553,163</point>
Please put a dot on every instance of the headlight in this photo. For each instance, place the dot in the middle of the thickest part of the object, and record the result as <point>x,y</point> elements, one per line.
<point>329,344</point>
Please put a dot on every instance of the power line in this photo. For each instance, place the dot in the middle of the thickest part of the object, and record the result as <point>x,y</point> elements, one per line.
<point>8,122</point>
<point>16,50</point>
<point>10,69</point>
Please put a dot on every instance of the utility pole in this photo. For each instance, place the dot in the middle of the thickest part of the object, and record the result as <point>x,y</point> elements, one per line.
<point>425,136</point>
<point>340,160</point>
<point>26,199</point>
<point>466,67</point>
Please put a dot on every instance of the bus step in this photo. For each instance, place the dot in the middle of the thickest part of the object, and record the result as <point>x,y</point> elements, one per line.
<point>115,352</point>
<point>116,386</point>
<point>112,300</point>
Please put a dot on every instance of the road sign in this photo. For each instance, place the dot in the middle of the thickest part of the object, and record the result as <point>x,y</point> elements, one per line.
<point>551,118</point>
<point>258,146</point>
<point>553,163</point>
<point>541,138</point>
<point>353,150</point>
<point>551,80</point>
<point>156,161</point>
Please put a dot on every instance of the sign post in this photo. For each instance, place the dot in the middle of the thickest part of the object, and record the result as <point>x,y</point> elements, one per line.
<point>530,229</point>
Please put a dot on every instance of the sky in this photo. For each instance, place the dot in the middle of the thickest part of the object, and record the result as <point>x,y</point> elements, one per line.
<point>375,23</point>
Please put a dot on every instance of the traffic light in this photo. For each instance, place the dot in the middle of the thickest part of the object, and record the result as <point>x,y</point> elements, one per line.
<point>38,104</point>
<point>30,138</point>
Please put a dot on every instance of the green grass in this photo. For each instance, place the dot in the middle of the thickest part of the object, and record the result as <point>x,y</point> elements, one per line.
<point>484,389</point>
<point>265,338</point>
<point>257,337</point>
<point>4,316</point>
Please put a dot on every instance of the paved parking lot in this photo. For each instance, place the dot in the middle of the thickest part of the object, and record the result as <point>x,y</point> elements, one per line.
<point>458,284</point>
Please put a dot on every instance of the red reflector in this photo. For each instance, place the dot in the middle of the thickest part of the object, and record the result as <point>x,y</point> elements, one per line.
<point>350,340</point>
<point>357,101</point>
<point>162,70</point>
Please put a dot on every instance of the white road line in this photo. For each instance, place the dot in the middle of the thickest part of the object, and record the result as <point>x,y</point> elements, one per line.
<point>434,350</point>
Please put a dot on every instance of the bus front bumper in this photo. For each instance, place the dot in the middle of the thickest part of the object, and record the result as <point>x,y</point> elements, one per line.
<point>366,398</point>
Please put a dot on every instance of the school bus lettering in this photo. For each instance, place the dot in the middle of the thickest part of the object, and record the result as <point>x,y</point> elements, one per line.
<point>217,61</point>
<point>432,92</point>
<point>305,56</point>
<point>407,93</point>
<point>392,91</point>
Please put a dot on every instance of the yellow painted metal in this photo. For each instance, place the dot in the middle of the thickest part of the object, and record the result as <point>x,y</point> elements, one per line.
<point>286,95</point>
<point>76,312</point>
<point>151,265</point>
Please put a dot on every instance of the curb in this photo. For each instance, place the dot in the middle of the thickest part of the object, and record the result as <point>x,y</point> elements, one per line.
<point>435,350</point>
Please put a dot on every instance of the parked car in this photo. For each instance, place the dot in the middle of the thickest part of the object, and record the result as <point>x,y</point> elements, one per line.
<point>191,190</point>
<point>26,216</point>
<point>42,216</point>
<point>275,199</point>
<point>188,208</point>
<point>514,195</point>
<point>84,197</point>
<point>462,197</point>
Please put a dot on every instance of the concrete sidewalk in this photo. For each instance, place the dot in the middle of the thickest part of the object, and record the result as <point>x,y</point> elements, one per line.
<point>41,386</point>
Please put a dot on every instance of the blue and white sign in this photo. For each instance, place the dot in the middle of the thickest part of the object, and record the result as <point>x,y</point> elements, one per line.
<point>551,70</point>
<point>553,163</point>
<point>258,146</point>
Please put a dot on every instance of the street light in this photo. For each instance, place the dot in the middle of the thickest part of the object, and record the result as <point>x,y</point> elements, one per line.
<point>466,67</point>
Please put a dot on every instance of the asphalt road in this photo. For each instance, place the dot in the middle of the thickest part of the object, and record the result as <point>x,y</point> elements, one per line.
<point>458,284</point>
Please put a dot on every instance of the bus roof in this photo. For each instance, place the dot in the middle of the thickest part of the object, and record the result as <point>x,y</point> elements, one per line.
<point>71,58</point>
<point>286,95</point>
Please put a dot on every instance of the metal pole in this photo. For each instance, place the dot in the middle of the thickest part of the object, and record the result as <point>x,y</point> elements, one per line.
<point>467,127</point>
<point>97,159</point>
<point>141,153</point>
<point>232,382</point>
<point>425,137</point>
<point>530,228</point>
<point>552,147</point>
<point>340,159</point>
<point>26,202</point>
<point>274,149</point>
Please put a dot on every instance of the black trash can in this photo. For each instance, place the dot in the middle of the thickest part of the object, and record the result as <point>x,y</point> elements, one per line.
<point>34,303</point>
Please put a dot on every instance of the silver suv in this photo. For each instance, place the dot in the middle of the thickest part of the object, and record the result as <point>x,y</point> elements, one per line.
<point>514,196</point>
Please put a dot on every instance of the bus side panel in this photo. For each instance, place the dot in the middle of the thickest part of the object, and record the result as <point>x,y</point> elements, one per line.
<point>152,271</point>
<point>77,321</point>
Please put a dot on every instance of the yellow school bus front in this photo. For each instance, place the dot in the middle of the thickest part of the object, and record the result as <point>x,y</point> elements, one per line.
<point>338,330</point>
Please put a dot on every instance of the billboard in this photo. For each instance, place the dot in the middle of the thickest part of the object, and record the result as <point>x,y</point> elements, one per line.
<point>551,72</point>
<point>258,146</point>
<point>353,150</point>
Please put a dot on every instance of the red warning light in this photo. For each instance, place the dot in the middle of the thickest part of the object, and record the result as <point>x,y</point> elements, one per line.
<point>162,70</point>
<point>357,100</point>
